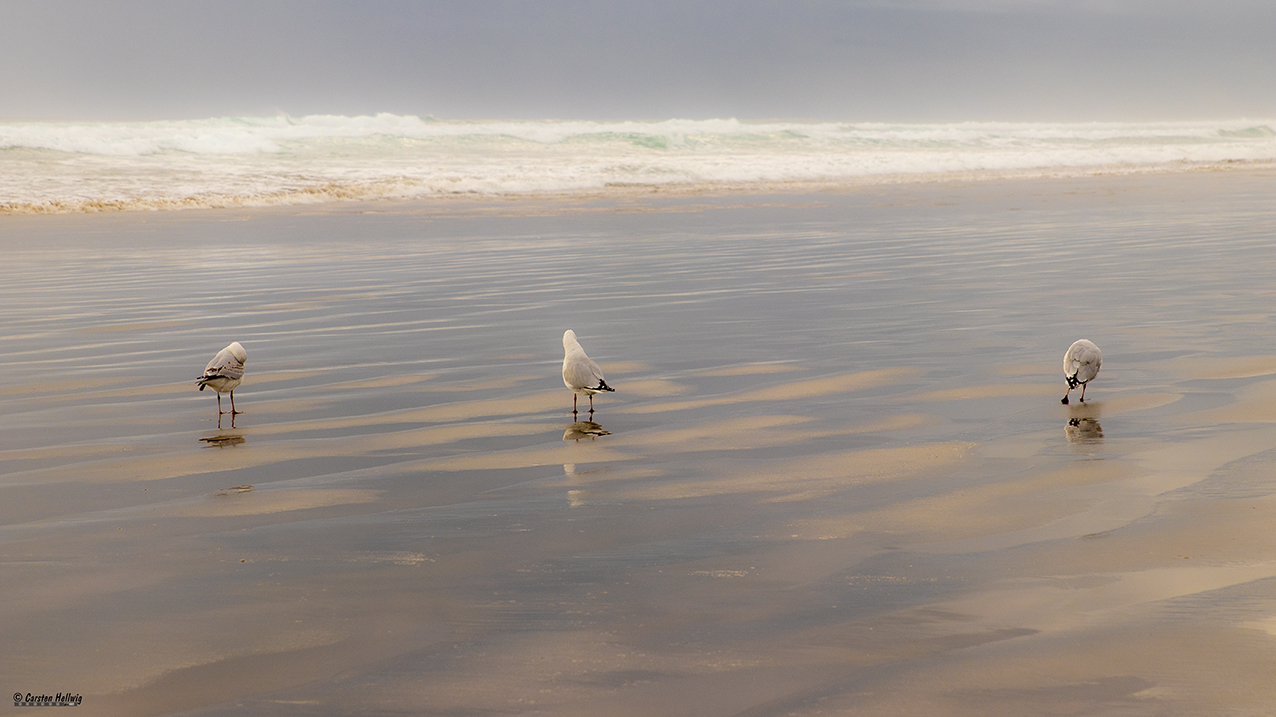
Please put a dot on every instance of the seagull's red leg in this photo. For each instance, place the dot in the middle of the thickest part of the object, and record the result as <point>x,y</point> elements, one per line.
<point>1083,393</point>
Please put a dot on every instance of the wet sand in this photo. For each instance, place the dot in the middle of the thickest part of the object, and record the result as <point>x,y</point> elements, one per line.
<point>835,477</point>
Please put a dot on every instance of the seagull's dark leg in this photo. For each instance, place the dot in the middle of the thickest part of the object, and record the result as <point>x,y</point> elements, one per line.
<point>219,406</point>
<point>232,404</point>
<point>1083,393</point>
<point>591,403</point>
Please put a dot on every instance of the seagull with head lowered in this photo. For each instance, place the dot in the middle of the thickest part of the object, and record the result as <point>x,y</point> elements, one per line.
<point>580,373</point>
<point>1080,365</point>
<point>224,374</point>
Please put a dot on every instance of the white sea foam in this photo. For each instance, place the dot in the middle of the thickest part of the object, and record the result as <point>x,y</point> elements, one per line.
<point>81,166</point>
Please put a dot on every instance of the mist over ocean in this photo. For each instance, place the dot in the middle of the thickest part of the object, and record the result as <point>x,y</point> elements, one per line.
<point>257,161</point>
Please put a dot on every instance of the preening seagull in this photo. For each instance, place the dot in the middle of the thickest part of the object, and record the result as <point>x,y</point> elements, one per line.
<point>1080,365</point>
<point>580,373</point>
<point>224,374</point>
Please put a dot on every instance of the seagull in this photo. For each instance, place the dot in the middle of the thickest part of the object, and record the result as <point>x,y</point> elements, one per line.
<point>1080,366</point>
<point>224,373</point>
<point>580,373</point>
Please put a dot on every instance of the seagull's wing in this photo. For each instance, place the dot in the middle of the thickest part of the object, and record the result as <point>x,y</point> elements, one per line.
<point>580,371</point>
<point>1071,366</point>
<point>224,365</point>
<point>1087,364</point>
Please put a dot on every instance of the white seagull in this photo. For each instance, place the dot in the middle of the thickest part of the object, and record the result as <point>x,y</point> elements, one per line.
<point>1080,366</point>
<point>224,373</point>
<point>580,373</point>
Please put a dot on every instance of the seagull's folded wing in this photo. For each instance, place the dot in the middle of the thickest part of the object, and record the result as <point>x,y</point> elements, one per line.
<point>581,372</point>
<point>225,364</point>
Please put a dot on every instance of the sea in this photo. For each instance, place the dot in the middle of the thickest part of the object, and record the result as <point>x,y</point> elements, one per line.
<point>60,167</point>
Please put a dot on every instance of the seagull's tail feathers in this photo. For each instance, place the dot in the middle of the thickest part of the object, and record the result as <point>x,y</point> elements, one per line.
<point>203,380</point>
<point>602,386</point>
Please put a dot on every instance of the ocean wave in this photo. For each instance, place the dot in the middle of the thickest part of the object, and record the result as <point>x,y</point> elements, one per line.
<point>251,135</point>
<point>80,166</point>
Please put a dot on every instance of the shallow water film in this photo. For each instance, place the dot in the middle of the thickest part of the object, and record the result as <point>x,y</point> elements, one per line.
<point>835,476</point>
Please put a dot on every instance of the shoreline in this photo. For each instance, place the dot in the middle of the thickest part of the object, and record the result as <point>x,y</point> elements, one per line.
<point>341,199</point>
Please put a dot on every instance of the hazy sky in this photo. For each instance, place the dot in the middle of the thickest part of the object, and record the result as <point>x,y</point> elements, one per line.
<point>858,60</point>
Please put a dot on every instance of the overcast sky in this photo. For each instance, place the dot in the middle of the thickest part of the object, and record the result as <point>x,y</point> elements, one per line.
<point>854,60</point>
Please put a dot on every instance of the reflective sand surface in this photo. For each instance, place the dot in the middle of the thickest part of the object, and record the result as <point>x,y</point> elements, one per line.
<point>835,477</point>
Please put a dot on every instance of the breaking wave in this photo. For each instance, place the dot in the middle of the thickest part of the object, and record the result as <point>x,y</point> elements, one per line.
<point>244,161</point>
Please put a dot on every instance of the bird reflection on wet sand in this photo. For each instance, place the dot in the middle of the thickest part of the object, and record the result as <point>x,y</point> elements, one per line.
<point>584,429</point>
<point>234,490</point>
<point>1083,430</point>
<point>224,440</point>
<point>1083,424</point>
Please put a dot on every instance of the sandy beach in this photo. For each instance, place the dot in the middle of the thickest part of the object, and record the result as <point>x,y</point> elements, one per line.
<point>835,477</point>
